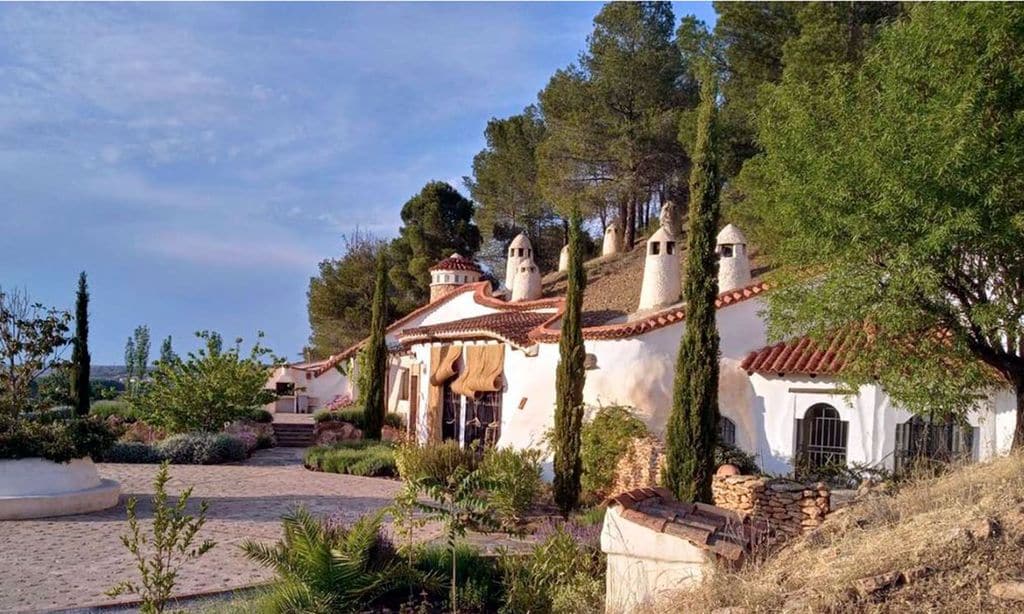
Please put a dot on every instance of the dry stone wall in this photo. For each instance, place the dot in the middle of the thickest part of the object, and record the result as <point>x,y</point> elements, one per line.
<point>789,507</point>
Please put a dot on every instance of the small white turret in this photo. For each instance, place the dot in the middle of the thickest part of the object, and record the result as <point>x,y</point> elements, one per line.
<point>519,251</point>
<point>611,240</point>
<point>526,285</point>
<point>450,273</point>
<point>661,272</point>
<point>563,259</point>
<point>733,263</point>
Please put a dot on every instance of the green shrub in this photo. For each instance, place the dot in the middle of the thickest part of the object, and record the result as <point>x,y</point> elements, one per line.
<point>132,452</point>
<point>356,418</point>
<point>105,409</point>
<point>731,455</point>
<point>361,457</point>
<point>394,420</point>
<point>592,517</point>
<point>202,449</point>
<point>563,573</point>
<point>479,588</point>
<point>605,439</point>
<point>434,462</point>
<point>516,475</point>
<point>261,416</point>
<point>56,440</point>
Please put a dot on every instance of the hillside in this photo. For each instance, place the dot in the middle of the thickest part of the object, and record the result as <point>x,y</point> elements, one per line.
<point>946,544</point>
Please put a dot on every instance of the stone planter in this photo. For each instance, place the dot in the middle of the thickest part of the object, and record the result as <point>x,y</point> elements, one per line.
<point>36,488</point>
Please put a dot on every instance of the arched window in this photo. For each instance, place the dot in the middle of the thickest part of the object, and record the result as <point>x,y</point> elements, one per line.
<point>820,438</point>
<point>726,431</point>
<point>923,439</point>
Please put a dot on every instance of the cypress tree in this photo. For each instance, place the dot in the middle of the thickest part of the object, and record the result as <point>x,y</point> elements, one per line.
<point>693,423</point>
<point>376,350</point>
<point>80,360</point>
<point>569,378</point>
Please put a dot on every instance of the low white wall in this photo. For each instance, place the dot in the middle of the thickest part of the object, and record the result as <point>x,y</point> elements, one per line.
<point>36,488</point>
<point>644,567</point>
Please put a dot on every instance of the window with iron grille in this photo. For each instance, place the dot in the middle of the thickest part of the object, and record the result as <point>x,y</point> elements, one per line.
<point>726,431</point>
<point>820,439</point>
<point>922,439</point>
<point>483,419</point>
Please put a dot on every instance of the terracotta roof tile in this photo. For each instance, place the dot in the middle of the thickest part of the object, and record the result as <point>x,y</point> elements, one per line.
<point>509,326</point>
<point>715,529</point>
<point>456,262</point>
<point>804,356</point>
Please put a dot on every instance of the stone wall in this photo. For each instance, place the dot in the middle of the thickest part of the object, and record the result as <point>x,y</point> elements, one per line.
<point>789,507</point>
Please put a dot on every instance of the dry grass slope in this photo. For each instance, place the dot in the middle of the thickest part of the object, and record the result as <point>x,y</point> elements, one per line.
<point>953,537</point>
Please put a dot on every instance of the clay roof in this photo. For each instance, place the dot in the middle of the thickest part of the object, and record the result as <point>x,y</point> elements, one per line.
<point>508,326</point>
<point>648,323</point>
<point>715,529</point>
<point>804,356</point>
<point>456,262</point>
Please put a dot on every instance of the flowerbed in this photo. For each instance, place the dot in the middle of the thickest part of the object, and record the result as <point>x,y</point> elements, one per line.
<point>362,457</point>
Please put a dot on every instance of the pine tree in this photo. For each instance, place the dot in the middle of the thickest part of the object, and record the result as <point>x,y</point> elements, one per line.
<point>376,355</point>
<point>569,378</point>
<point>167,351</point>
<point>80,360</point>
<point>692,427</point>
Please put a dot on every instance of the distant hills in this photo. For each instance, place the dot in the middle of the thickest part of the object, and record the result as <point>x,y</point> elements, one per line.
<point>107,371</point>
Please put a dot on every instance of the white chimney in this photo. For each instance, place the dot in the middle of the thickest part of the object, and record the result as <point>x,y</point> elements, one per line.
<point>611,240</point>
<point>526,286</point>
<point>733,264</point>
<point>519,251</point>
<point>661,285</point>
<point>563,259</point>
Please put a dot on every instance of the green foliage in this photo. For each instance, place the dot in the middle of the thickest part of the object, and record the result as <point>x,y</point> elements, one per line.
<point>107,408</point>
<point>80,359</point>
<point>611,119</point>
<point>338,296</point>
<point>570,377</point>
<point>136,360</point>
<point>435,223</point>
<point>479,589</point>
<point>731,455</point>
<point>434,462</point>
<point>910,163</point>
<point>160,557</point>
<point>516,479</point>
<point>363,457</point>
<point>202,449</point>
<point>31,337</point>
<point>374,401</point>
<point>323,566</point>
<point>210,388</point>
<point>692,425</point>
<point>133,452</point>
<point>261,416</point>
<point>561,574</point>
<point>56,439</point>
<point>167,350</point>
<point>605,438</point>
<point>356,417</point>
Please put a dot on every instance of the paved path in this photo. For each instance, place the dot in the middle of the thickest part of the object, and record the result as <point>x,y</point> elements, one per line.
<point>70,561</point>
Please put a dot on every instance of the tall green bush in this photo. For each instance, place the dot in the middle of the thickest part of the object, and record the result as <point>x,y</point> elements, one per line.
<point>692,425</point>
<point>570,377</point>
<point>604,440</point>
<point>376,356</point>
<point>80,359</point>
<point>208,389</point>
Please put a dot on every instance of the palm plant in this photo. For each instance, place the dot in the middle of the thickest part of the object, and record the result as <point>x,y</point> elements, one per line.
<point>325,567</point>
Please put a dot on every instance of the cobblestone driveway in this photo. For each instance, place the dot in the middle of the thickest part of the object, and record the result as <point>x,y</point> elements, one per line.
<point>70,561</point>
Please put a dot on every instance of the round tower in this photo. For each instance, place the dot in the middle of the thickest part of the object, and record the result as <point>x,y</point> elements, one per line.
<point>733,264</point>
<point>611,240</point>
<point>519,251</point>
<point>450,273</point>
<point>526,285</point>
<point>563,259</point>
<point>661,283</point>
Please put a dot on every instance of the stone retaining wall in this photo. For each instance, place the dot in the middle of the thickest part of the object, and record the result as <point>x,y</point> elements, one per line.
<point>789,507</point>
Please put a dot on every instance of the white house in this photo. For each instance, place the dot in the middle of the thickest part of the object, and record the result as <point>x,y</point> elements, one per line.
<point>471,366</point>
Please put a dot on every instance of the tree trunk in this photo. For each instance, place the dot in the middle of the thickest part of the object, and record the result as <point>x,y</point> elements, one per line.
<point>1018,430</point>
<point>629,235</point>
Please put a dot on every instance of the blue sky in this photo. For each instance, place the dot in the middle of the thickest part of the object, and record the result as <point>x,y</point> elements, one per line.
<point>198,160</point>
